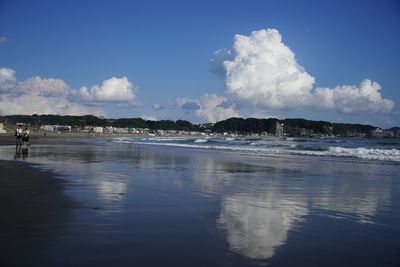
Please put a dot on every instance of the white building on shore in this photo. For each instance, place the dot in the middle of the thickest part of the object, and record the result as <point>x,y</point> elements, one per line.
<point>98,129</point>
<point>56,128</point>
<point>2,130</point>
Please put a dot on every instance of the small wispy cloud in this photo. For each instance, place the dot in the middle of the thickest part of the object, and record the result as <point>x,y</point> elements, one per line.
<point>188,104</point>
<point>149,117</point>
<point>210,107</point>
<point>157,107</point>
<point>3,39</point>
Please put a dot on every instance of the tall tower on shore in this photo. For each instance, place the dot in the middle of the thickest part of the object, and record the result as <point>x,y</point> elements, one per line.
<point>278,129</point>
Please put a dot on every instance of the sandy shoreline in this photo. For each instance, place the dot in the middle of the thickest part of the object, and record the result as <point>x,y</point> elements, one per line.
<point>8,139</point>
<point>33,208</point>
<point>59,139</point>
<point>72,138</point>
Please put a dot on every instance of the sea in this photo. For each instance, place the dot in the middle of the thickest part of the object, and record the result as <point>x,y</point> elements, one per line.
<point>223,201</point>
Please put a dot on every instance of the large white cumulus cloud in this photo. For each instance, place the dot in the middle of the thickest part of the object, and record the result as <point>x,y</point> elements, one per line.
<point>264,74</point>
<point>54,96</point>
<point>112,90</point>
<point>33,86</point>
<point>43,95</point>
<point>365,98</point>
<point>30,103</point>
<point>43,87</point>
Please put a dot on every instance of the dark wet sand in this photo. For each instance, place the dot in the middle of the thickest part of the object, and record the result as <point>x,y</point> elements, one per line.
<point>33,209</point>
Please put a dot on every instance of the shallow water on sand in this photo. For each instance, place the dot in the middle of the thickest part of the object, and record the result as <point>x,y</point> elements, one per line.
<point>147,205</point>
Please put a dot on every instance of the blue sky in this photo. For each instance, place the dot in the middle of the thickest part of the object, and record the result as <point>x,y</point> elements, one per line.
<point>163,48</point>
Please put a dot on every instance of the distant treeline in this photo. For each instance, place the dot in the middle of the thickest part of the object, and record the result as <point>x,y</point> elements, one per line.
<point>236,125</point>
<point>252,125</point>
<point>90,120</point>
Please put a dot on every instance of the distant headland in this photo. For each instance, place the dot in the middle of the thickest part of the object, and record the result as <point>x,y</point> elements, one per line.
<point>233,126</point>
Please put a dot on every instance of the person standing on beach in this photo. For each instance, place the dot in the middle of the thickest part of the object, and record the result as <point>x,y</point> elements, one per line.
<point>18,135</point>
<point>25,138</point>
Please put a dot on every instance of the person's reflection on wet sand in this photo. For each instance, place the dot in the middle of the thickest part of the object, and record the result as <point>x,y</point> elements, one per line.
<point>21,154</point>
<point>25,153</point>
<point>17,154</point>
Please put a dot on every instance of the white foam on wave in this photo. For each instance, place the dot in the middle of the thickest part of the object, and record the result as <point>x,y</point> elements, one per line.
<point>360,152</point>
<point>367,153</point>
<point>201,141</point>
<point>121,140</point>
<point>160,139</point>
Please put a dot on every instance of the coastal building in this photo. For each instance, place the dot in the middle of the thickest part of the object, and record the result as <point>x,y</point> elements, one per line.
<point>354,134</point>
<point>56,128</point>
<point>47,128</point>
<point>296,132</point>
<point>121,130</point>
<point>378,132</point>
<point>108,129</point>
<point>63,128</point>
<point>2,129</point>
<point>98,129</point>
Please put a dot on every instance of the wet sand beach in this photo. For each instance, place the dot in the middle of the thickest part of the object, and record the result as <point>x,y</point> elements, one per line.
<point>157,205</point>
<point>34,208</point>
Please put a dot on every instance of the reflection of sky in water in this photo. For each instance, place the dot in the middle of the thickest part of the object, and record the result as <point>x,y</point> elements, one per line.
<point>256,225</point>
<point>363,206</point>
<point>210,177</point>
<point>256,202</point>
<point>262,201</point>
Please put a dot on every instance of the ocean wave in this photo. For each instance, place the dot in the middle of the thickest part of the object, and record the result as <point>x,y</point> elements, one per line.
<point>368,153</point>
<point>163,139</point>
<point>272,143</point>
<point>309,148</point>
<point>121,140</point>
<point>336,141</point>
<point>360,152</point>
<point>388,143</point>
<point>201,141</point>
